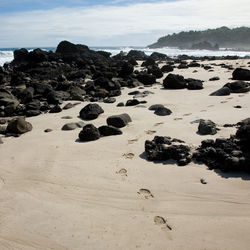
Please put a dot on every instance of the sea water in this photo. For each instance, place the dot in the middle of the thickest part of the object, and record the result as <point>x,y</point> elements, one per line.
<point>6,54</point>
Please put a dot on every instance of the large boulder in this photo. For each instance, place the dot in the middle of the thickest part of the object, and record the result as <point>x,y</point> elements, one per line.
<point>146,79</point>
<point>241,74</point>
<point>91,111</point>
<point>137,55</point>
<point>119,121</point>
<point>89,133</point>
<point>18,126</point>
<point>173,81</point>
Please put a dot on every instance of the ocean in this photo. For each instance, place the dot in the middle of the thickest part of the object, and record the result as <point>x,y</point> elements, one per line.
<point>6,54</point>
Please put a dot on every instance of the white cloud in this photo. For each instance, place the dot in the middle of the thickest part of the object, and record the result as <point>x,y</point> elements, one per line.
<point>134,24</point>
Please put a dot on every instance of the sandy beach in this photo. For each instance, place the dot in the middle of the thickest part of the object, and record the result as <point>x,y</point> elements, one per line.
<point>59,193</point>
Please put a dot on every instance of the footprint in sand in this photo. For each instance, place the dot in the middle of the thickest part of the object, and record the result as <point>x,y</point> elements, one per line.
<point>150,132</point>
<point>123,172</point>
<point>223,102</point>
<point>203,110</point>
<point>188,114</point>
<point>229,98</point>
<point>210,106</point>
<point>133,141</point>
<point>160,221</point>
<point>158,123</point>
<point>241,95</point>
<point>178,118</point>
<point>128,155</point>
<point>146,193</point>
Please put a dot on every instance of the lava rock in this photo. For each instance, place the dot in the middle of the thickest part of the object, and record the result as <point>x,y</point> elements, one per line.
<point>18,126</point>
<point>173,81</point>
<point>241,74</point>
<point>91,111</point>
<point>72,125</point>
<point>162,111</point>
<point>165,148</point>
<point>132,102</point>
<point>194,85</point>
<point>221,92</point>
<point>207,127</point>
<point>156,106</point>
<point>109,130</point>
<point>119,121</point>
<point>238,87</point>
<point>89,133</point>
<point>146,79</point>
<point>167,68</point>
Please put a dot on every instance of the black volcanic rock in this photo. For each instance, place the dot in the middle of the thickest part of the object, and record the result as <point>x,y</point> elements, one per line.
<point>238,87</point>
<point>18,126</point>
<point>132,102</point>
<point>109,130</point>
<point>89,133</point>
<point>119,121</point>
<point>156,71</point>
<point>207,127</point>
<point>232,154</point>
<point>146,79</point>
<point>167,68</point>
<point>173,81</point>
<point>149,62</point>
<point>241,74</point>
<point>91,111</point>
<point>163,148</point>
<point>162,111</point>
<point>137,55</point>
<point>127,69</point>
<point>221,92</point>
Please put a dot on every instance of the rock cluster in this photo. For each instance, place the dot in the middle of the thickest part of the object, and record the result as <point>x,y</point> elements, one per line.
<point>232,154</point>
<point>163,148</point>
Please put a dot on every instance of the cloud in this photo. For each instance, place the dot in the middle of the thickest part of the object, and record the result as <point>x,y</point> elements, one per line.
<point>133,24</point>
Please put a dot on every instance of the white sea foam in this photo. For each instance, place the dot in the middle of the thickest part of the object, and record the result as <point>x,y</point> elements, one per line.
<point>173,52</point>
<point>7,55</point>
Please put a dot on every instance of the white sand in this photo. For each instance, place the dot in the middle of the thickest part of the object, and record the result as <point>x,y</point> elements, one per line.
<point>56,193</point>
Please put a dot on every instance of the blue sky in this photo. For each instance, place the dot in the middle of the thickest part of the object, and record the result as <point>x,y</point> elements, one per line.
<point>39,23</point>
<point>8,6</point>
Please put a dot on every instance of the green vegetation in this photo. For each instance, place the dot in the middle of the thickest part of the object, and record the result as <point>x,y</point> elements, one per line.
<point>238,38</point>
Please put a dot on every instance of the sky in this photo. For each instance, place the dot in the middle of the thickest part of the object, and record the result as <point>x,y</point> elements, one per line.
<point>44,23</point>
